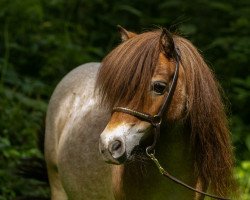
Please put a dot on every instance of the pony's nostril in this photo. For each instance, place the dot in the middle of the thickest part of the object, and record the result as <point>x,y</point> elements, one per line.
<point>115,146</point>
<point>102,151</point>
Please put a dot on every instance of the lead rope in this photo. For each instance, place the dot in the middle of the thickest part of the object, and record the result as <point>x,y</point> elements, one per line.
<point>166,174</point>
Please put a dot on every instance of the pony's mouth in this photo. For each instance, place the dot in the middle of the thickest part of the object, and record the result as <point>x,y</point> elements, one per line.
<point>137,154</point>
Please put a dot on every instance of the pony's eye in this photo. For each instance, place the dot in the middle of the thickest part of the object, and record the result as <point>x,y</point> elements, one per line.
<point>159,87</point>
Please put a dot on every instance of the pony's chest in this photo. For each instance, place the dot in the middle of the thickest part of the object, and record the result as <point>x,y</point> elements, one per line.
<point>149,184</point>
<point>158,191</point>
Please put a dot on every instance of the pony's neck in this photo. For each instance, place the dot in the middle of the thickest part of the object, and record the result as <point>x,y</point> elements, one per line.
<point>174,152</point>
<point>142,180</point>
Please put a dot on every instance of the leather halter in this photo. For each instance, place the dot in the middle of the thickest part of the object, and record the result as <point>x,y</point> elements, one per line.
<point>156,121</point>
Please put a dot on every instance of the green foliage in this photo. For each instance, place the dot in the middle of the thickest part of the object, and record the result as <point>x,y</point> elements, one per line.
<point>40,41</point>
<point>243,173</point>
<point>240,94</point>
<point>21,118</point>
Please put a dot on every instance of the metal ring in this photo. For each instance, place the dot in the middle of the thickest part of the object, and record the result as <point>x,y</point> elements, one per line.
<point>148,149</point>
<point>156,120</point>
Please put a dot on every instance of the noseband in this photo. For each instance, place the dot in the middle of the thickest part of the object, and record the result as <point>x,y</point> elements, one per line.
<point>156,121</point>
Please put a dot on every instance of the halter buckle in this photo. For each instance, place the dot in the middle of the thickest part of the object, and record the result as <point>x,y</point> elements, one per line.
<point>156,120</point>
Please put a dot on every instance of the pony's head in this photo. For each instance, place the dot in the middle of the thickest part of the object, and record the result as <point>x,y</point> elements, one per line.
<point>137,75</point>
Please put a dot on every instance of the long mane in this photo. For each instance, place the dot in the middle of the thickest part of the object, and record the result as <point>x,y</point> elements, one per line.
<point>210,136</point>
<point>131,65</point>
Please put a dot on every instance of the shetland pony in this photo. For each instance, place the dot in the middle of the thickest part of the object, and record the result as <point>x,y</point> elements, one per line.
<point>81,129</point>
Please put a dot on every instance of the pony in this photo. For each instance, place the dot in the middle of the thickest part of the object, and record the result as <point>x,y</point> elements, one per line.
<point>83,130</point>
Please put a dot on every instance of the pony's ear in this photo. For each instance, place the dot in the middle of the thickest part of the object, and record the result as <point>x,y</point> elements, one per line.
<point>125,35</point>
<point>167,43</point>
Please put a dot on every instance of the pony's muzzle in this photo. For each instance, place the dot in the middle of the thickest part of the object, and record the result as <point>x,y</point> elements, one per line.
<point>117,144</point>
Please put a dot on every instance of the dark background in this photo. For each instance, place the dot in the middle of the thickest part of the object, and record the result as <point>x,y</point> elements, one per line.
<point>42,40</point>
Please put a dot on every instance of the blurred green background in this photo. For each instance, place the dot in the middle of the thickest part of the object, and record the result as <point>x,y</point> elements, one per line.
<point>41,41</point>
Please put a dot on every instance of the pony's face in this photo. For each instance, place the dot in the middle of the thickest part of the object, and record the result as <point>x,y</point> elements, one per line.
<point>125,132</point>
